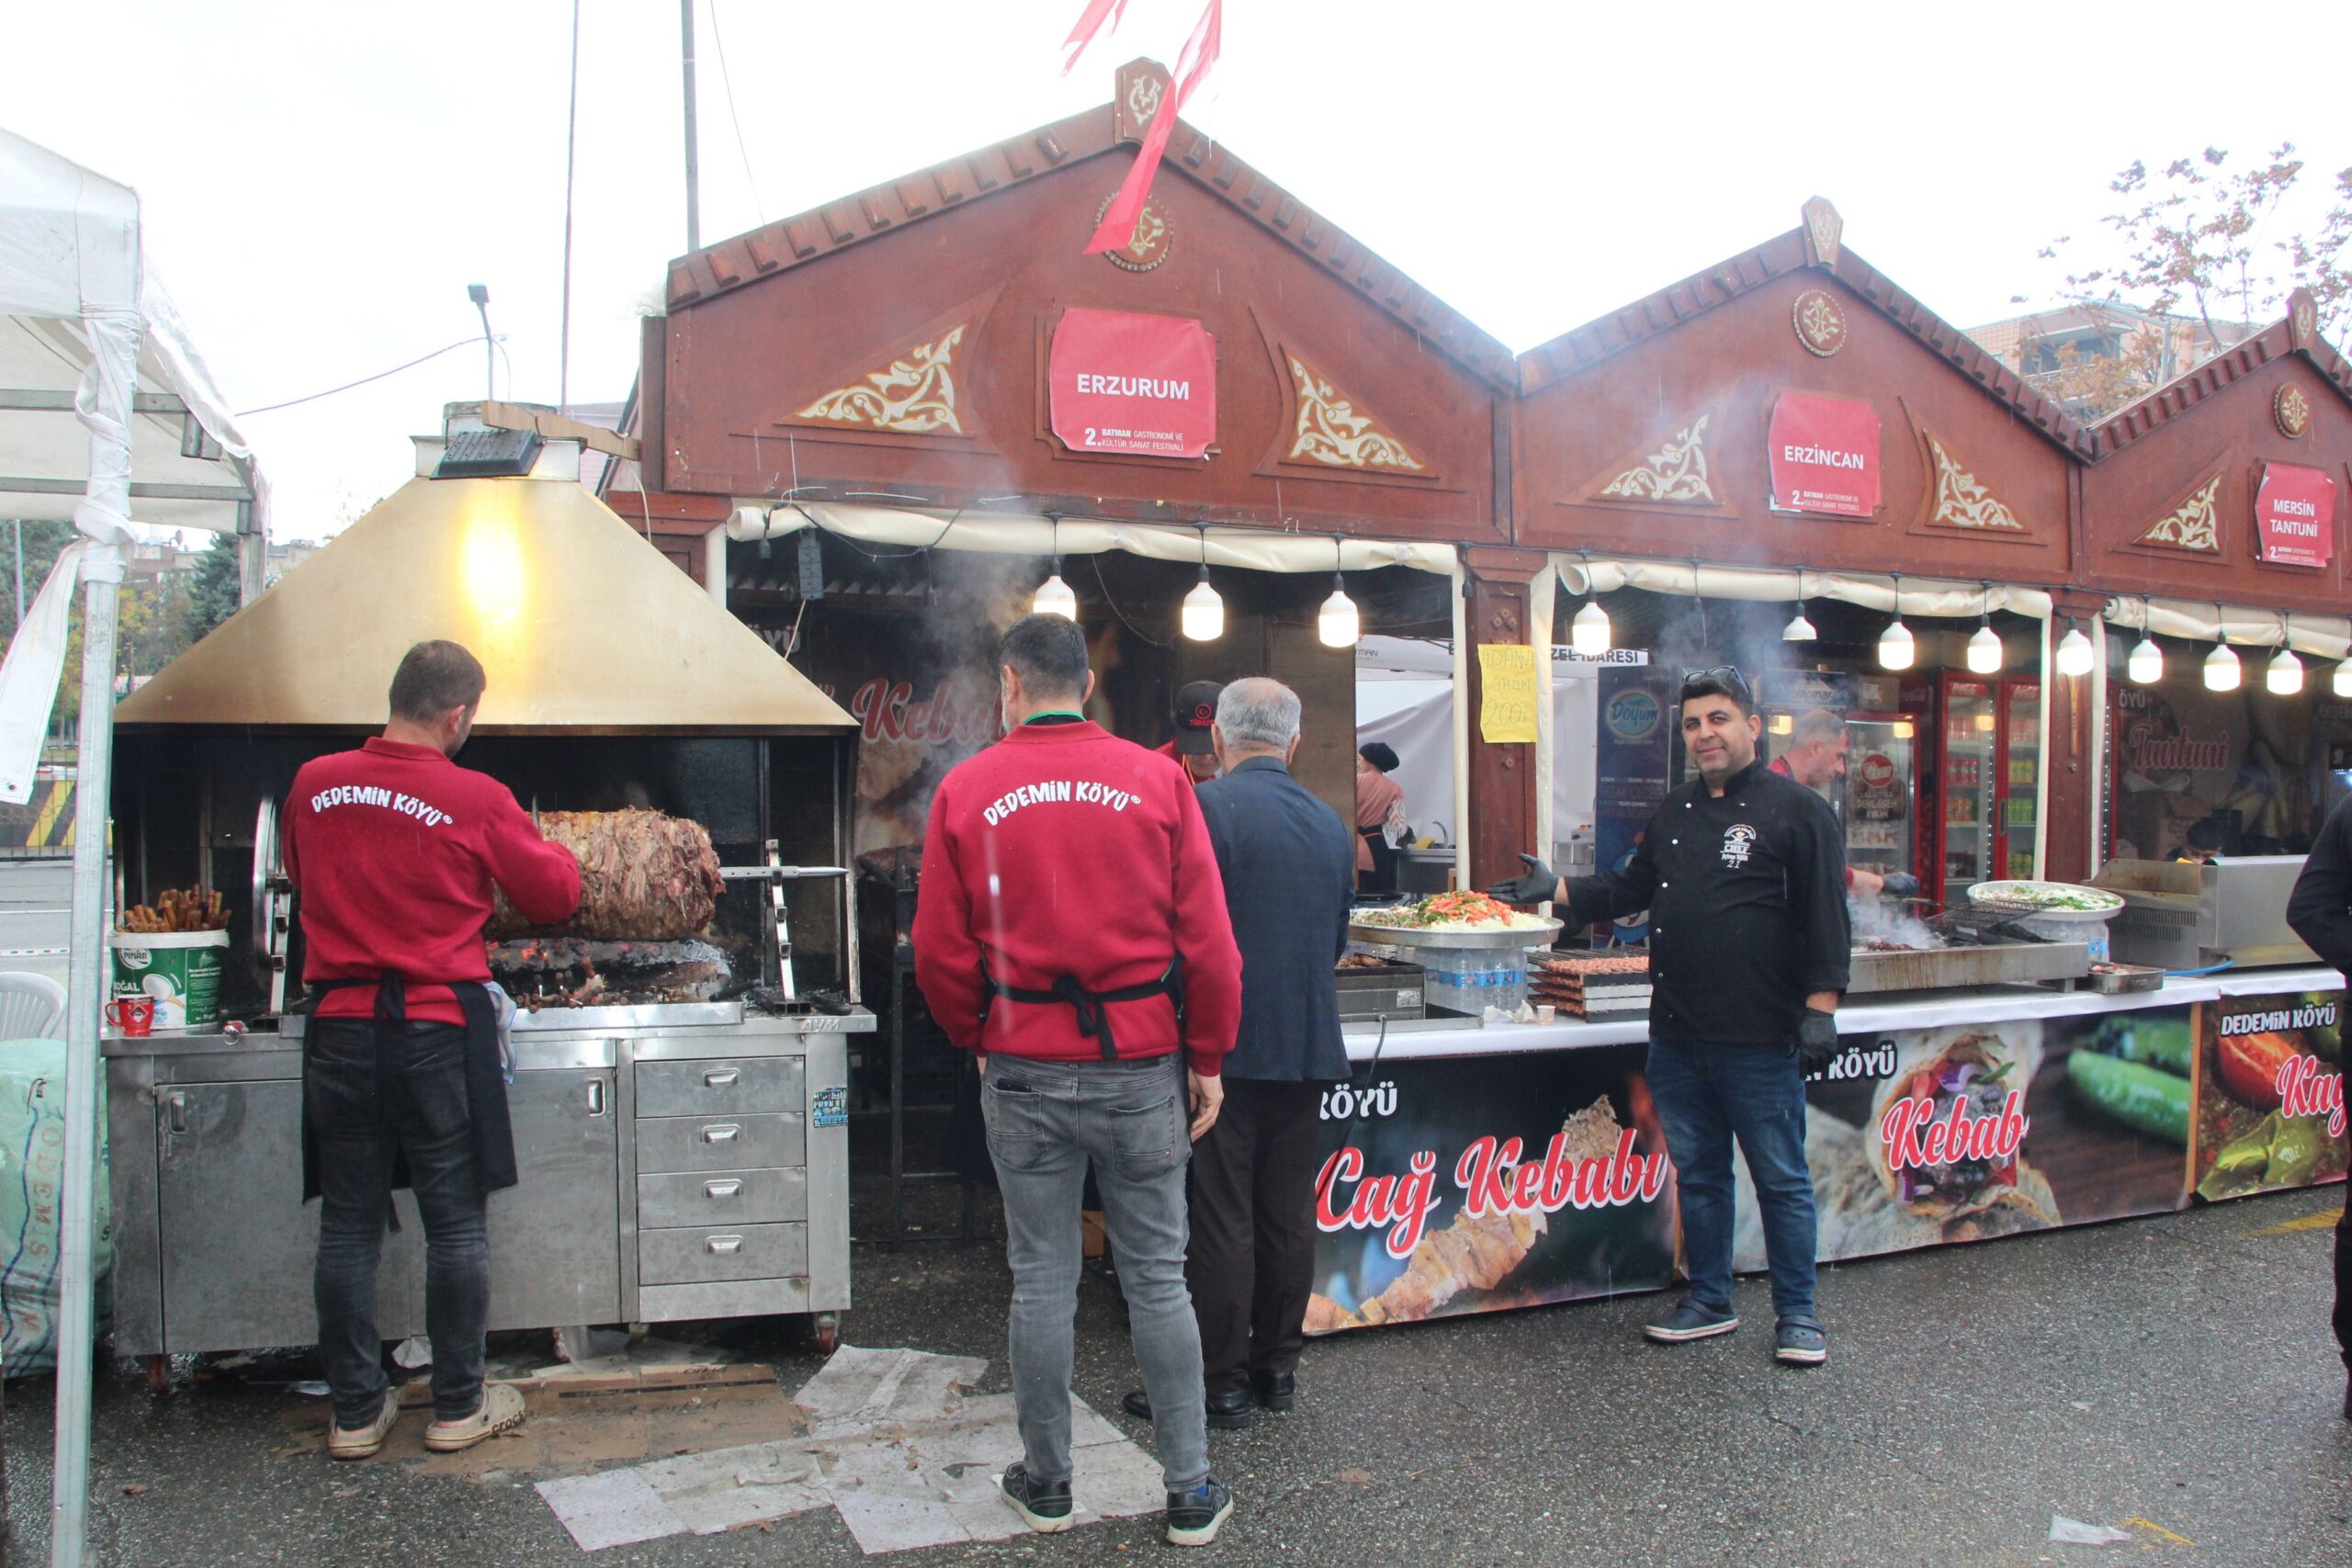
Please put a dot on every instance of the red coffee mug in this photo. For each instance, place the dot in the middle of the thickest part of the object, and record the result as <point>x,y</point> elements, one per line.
<point>132,1015</point>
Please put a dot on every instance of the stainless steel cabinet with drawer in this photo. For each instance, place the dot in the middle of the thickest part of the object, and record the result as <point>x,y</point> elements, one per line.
<point>753,1140</point>
<point>722,1198</point>
<point>739,1252</point>
<point>721,1088</point>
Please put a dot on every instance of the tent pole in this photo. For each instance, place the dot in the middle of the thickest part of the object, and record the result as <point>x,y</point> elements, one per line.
<point>104,408</point>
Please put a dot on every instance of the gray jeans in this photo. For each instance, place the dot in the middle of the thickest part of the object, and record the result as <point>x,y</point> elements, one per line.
<point>1045,1122</point>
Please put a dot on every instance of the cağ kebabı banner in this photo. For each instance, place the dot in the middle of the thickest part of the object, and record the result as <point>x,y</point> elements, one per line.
<point>2270,1094</point>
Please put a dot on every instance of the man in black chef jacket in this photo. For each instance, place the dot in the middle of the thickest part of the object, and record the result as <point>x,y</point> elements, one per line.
<point>2320,910</point>
<point>1744,874</point>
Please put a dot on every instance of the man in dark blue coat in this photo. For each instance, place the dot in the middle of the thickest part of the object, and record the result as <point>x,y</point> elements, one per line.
<point>1289,864</point>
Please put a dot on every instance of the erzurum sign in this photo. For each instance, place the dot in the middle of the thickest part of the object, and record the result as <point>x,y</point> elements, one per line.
<point>1123,382</point>
<point>2294,514</point>
<point>1825,455</point>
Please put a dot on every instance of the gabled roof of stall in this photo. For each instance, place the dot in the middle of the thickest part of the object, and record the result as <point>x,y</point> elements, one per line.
<point>580,623</point>
<point>1092,133</point>
<point>2295,332</point>
<point>1816,243</point>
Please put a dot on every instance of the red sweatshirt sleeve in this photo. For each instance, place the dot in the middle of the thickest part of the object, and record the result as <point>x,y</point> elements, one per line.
<point>948,955</point>
<point>540,879</point>
<point>1205,936</point>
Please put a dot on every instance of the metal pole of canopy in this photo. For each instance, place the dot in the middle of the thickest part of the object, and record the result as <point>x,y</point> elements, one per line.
<point>105,408</point>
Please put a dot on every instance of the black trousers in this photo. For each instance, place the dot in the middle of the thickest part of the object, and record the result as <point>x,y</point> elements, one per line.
<point>1250,1263</point>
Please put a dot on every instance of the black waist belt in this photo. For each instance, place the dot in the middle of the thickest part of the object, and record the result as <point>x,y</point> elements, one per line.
<point>1093,1021</point>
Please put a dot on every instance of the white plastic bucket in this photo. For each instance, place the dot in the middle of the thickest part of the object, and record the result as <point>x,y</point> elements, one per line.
<point>180,971</point>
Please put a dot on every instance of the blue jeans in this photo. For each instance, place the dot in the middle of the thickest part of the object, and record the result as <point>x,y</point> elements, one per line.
<point>1706,1096</point>
<point>424,1113</point>
<point>1047,1121</point>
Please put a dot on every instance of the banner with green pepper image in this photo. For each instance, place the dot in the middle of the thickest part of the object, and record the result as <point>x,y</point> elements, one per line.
<point>1931,1137</point>
<point>2269,1108</point>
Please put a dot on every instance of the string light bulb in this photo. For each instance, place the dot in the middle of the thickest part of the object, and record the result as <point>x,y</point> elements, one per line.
<point>2147,665</point>
<point>2284,677</point>
<point>2222,672</point>
<point>1588,633</point>
<point>1204,611</point>
<point>1896,648</point>
<point>1055,597</point>
<point>1799,629</point>
<point>1338,624</point>
<point>2341,684</point>
<point>1984,647</point>
<point>2075,655</point>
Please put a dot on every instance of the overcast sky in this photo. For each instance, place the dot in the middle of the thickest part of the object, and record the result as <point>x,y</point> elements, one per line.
<point>322,178</point>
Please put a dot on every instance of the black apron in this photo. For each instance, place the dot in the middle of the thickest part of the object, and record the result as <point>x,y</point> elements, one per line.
<point>1382,878</point>
<point>485,1077</point>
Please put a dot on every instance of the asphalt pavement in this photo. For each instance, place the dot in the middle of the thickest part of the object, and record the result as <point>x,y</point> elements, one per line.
<point>2173,1377</point>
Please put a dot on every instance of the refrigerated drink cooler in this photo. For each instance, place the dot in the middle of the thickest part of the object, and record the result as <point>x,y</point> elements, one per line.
<point>1986,789</point>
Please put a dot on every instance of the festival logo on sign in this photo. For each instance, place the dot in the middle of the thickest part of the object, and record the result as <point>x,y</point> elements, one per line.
<point>1119,382</point>
<point>1825,455</point>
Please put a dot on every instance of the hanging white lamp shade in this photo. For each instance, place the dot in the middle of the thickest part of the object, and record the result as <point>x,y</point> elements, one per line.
<point>1588,633</point>
<point>2341,684</point>
<point>1055,597</point>
<point>1338,624</point>
<point>1984,651</point>
<point>1799,629</point>
<point>1896,648</point>
<point>2147,665</point>
<point>2221,668</point>
<point>2285,675</point>
<point>1204,613</point>
<point>2075,655</point>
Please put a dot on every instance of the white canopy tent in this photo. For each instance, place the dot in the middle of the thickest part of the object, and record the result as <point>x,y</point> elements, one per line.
<point>107,417</point>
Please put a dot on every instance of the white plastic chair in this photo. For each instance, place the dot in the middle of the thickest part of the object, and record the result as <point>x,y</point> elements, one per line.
<point>32,1007</point>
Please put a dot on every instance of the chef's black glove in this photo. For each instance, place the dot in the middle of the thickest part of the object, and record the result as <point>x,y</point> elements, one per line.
<point>1901,885</point>
<point>1540,885</point>
<point>1816,1040</point>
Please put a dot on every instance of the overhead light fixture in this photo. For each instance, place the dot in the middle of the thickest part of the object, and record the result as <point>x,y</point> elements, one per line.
<point>1055,597</point>
<point>2147,665</point>
<point>1896,648</point>
<point>2075,653</point>
<point>1984,647</point>
<point>2285,675</point>
<point>2342,683</point>
<point>1338,624</point>
<point>2221,674</point>
<point>1588,633</point>
<point>1799,629</point>
<point>1204,613</point>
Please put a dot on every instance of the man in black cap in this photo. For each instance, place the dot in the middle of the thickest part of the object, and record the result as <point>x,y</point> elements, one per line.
<point>1195,712</point>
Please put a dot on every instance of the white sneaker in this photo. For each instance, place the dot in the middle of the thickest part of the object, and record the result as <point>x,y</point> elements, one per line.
<point>502,1411</point>
<point>364,1442</point>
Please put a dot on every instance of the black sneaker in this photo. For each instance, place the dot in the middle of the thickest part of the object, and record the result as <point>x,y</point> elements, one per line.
<point>1046,1510</point>
<point>1690,1320</point>
<point>1194,1517</point>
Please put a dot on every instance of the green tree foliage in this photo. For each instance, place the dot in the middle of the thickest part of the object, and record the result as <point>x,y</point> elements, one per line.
<point>213,588</point>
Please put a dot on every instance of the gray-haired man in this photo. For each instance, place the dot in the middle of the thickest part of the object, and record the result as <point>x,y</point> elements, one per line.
<point>1289,864</point>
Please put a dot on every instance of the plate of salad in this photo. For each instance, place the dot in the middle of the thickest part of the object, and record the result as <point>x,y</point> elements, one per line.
<point>1452,920</point>
<point>2049,901</point>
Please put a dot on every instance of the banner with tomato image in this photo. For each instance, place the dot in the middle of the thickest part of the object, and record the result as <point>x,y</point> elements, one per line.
<point>1968,1132</point>
<point>1474,1185</point>
<point>2270,1094</point>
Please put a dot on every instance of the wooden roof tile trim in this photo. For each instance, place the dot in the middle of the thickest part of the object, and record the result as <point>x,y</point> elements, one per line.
<point>1579,349</point>
<point>828,230</point>
<point>2226,368</point>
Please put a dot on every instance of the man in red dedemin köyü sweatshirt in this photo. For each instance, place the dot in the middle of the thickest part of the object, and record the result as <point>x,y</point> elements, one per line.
<point>1073,930</point>
<point>394,850</point>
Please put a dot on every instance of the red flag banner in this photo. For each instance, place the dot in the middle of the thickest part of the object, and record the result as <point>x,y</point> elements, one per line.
<point>1118,225</point>
<point>1089,24</point>
<point>2295,512</point>
<point>1823,456</point>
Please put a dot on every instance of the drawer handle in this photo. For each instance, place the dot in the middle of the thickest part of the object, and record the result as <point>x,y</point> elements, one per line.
<point>720,1078</point>
<point>726,1134</point>
<point>723,1244</point>
<point>727,1189</point>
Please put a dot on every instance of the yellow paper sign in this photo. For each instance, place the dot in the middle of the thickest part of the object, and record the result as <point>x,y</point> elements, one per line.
<point>1507,692</point>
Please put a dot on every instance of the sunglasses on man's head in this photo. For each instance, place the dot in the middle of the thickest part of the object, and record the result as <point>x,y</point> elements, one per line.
<point>1720,674</point>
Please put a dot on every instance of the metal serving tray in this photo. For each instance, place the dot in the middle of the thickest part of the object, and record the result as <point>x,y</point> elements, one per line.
<point>1411,937</point>
<point>1945,968</point>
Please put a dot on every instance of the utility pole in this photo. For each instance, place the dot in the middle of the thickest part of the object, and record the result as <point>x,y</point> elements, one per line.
<point>694,160</point>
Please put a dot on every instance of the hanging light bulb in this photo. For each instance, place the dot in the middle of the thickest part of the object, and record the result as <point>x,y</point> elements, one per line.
<point>1588,633</point>
<point>2146,666</point>
<point>1984,647</point>
<point>2285,675</point>
<point>2341,684</point>
<point>1337,623</point>
<point>1203,613</point>
<point>1055,597</point>
<point>2221,668</point>
<point>1799,629</point>
<point>2075,653</point>
<point>1896,648</point>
